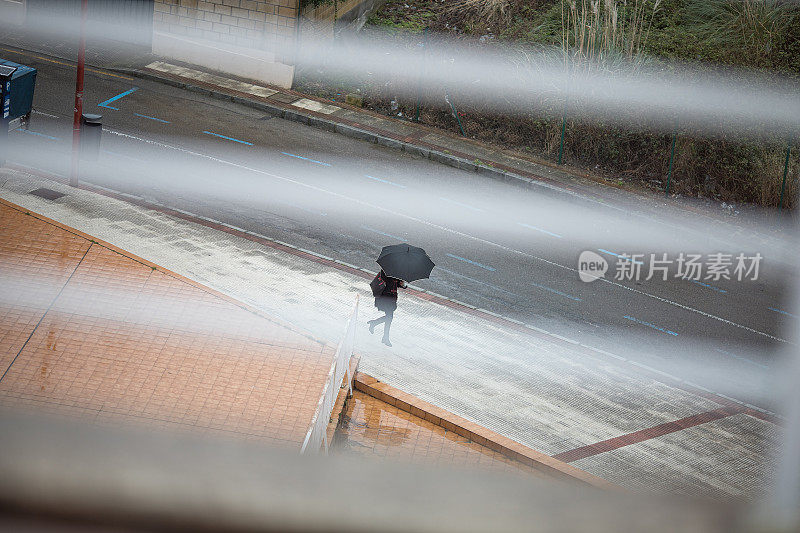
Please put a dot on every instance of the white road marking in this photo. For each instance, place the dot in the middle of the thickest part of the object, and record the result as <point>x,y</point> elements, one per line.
<point>445,229</point>
<point>44,114</point>
<point>460,204</point>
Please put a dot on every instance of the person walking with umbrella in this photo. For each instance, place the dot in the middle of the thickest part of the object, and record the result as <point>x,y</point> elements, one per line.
<point>386,301</point>
<point>400,263</point>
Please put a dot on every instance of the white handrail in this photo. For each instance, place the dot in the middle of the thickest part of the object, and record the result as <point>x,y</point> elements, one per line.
<point>317,435</point>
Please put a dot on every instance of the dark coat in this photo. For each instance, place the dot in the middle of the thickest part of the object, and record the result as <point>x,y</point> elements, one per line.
<point>387,304</point>
<point>387,301</point>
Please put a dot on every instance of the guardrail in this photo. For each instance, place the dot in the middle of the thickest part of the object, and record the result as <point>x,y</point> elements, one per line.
<point>317,436</point>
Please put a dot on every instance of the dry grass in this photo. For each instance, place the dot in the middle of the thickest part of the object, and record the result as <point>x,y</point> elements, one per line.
<point>482,11</point>
<point>608,32</point>
<point>592,29</point>
<point>755,25</point>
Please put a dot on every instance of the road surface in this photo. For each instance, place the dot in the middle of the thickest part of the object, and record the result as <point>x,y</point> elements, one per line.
<point>499,247</point>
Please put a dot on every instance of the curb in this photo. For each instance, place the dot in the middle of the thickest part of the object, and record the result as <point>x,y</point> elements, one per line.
<point>408,144</point>
<point>513,176</point>
<point>477,433</point>
<point>357,131</point>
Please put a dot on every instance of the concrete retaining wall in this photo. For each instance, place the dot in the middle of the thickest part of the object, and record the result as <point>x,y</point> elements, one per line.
<point>248,38</point>
<point>254,39</point>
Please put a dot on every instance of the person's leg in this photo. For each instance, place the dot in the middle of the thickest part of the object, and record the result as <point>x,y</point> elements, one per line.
<point>375,322</point>
<point>388,320</point>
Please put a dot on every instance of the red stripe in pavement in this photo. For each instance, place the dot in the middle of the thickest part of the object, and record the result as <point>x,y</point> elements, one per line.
<point>647,434</point>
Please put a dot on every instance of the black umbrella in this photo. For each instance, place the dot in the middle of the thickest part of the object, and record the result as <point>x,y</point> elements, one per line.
<point>406,262</point>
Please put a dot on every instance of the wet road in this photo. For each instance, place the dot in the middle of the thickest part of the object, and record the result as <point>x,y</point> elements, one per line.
<point>508,250</point>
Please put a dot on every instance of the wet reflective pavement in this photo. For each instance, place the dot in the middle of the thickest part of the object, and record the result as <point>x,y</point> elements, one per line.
<point>372,427</point>
<point>88,330</point>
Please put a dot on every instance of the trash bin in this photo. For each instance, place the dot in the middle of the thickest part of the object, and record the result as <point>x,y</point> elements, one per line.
<point>6,72</point>
<point>91,131</point>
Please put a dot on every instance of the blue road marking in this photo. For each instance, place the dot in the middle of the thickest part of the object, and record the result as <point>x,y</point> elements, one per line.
<point>539,229</point>
<point>460,204</point>
<point>384,181</point>
<point>782,312</point>
<point>564,294</point>
<point>115,98</point>
<point>745,359</point>
<point>493,287</point>
<point>227,138</point>
<point>649,325</point>
<point>713,288</point>
<point>306,159</point>
<point>618,255</point>
<point>36,133</point>
<point>490,269</point>
<point>153,118</point>
<point>373,230</point>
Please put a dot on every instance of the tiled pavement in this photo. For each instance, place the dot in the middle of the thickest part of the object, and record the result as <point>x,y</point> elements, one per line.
<point>716,467</point>
<point>375,428</point>
<point>89,331</point>
<point>541,394</point>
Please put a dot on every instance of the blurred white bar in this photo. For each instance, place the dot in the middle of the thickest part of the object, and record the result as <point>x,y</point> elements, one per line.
<point>57,473</point>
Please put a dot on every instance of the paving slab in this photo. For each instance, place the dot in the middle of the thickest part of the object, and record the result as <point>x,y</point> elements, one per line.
<point>727,457</point>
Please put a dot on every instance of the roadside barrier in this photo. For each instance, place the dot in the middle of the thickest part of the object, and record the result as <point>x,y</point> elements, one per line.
<point>317,437</point>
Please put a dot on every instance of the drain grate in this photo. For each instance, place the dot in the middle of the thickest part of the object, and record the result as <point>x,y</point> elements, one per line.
<point>47,194</point>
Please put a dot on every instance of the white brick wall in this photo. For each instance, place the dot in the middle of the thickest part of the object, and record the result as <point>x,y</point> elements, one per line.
<point>261,24</point>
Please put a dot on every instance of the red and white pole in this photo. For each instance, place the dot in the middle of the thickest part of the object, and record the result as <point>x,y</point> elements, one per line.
<point>76,120</point>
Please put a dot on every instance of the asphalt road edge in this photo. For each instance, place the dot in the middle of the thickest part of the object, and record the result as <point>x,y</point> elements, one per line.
<point>318,120</point>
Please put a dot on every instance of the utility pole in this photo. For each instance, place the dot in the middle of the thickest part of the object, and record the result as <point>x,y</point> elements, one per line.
<point>671,157</point>
<point>76,120</point>
<point>785,171</point>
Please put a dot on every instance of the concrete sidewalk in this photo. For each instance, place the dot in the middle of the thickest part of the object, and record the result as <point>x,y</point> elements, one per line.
<point>606,417</point>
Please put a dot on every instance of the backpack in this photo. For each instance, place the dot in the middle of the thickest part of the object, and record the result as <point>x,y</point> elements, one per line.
<point>377,285</point>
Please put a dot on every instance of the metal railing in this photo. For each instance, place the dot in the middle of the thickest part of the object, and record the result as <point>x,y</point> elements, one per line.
<point>317,436</point>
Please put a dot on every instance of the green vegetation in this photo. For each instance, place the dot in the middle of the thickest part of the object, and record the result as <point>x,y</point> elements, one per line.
<point>709,34</point>
<point>762,34</point>
<point>395,17</point>
<point>749,33</point>
<point>314,3</point>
